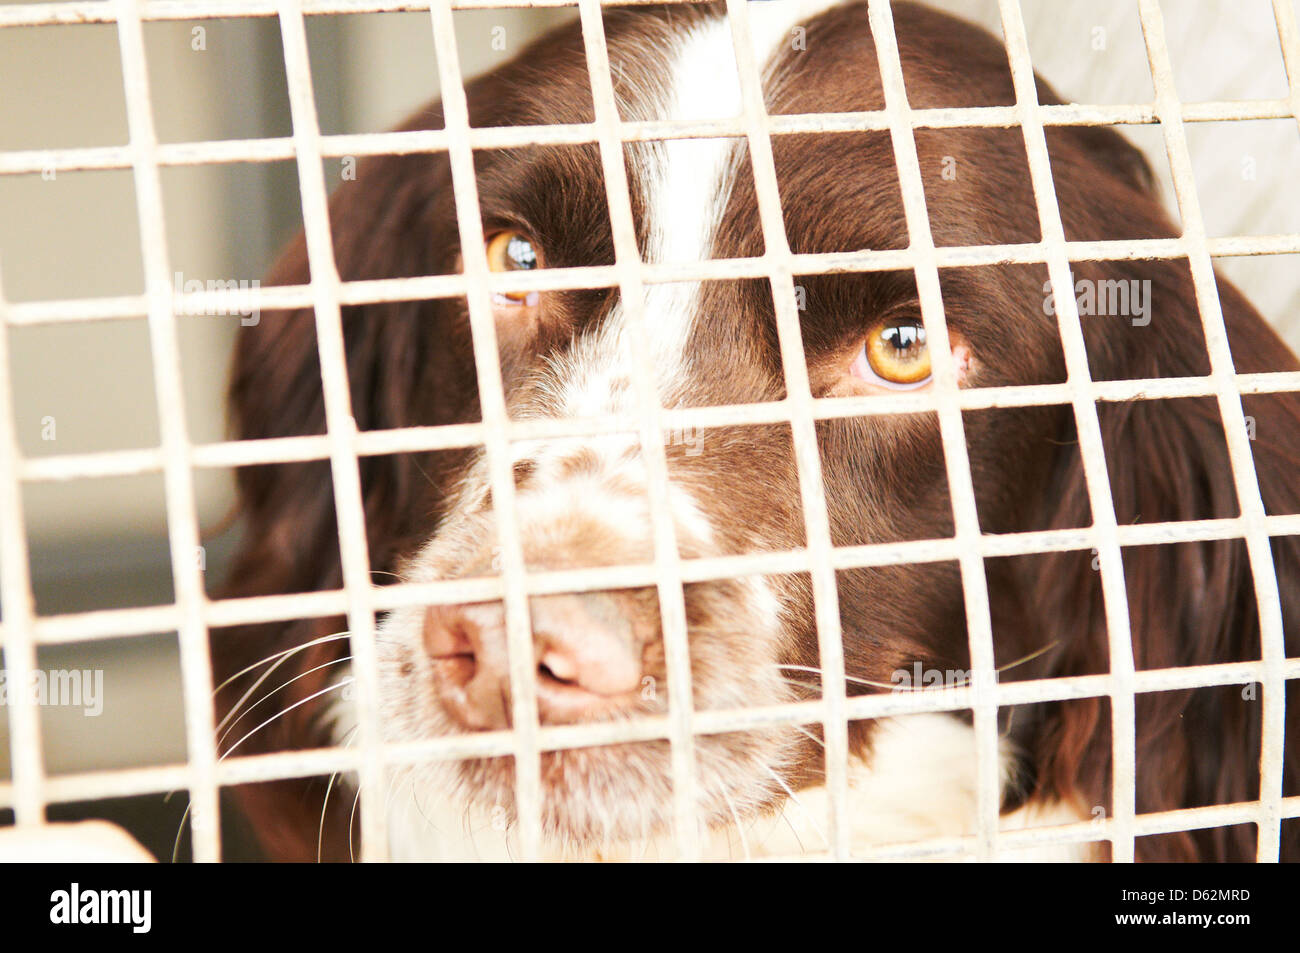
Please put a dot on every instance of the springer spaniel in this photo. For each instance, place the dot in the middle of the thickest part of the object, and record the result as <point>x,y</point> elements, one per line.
<point>582,502</point>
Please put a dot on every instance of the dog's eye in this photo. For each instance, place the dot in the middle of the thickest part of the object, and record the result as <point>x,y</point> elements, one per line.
<point>512,251</point>
<point>897,354</point>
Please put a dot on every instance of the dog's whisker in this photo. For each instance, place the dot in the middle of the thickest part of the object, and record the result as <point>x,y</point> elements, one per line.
<point>282,656</point>
<point>320,836</point>
<point>298,704</point>
<point>849,678</point>
<point>735,817</point>
<point>794,798</point>
<point>900,687</point>
<point>352,823</point>
<point>283,685</point>
<point>811,737</point>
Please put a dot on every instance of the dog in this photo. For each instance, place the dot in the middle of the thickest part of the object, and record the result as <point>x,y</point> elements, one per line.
<point>584,502</point>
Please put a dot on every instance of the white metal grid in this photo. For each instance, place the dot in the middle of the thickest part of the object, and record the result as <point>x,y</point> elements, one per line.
<point>193,614</point>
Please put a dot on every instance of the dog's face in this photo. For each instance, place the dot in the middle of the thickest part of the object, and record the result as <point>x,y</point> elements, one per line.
<point>585,501</point>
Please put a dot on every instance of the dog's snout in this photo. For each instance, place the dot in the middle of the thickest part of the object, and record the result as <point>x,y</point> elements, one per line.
<point>587,642</point>
<point>466,645</point>
<point>588,648</point>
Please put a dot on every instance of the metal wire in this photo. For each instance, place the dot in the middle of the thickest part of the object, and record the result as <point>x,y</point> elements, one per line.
<point>192,613</point>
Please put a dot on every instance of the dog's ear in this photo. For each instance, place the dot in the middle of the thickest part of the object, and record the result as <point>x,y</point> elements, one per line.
<point>408,363</point>
<point>1190,603</point>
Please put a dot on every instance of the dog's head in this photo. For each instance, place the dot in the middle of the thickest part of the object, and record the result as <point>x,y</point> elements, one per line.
<point>583,502</point>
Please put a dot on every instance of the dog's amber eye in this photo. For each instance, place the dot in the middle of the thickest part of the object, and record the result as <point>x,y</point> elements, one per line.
<point>512,251</point>
<point>897,353</point>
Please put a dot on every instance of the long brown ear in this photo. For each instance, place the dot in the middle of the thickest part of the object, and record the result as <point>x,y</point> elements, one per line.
<point>407,366</point>
<point>395,220</point>
<point>1190,603</point>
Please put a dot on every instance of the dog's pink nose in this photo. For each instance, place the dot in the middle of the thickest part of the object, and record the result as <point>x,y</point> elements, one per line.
<point>587,651</point>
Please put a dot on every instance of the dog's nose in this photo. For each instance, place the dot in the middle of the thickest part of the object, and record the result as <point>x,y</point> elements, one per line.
<point>587,650</point>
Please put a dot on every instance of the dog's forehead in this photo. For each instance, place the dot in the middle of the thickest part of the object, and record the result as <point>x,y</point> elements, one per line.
<point>683,68</point>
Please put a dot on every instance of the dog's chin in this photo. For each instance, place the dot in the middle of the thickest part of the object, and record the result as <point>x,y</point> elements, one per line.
<point>590,797</point>
<point>599,798</point>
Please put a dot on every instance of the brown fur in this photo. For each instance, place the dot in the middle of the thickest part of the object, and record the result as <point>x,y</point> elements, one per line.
<point>411,364</point>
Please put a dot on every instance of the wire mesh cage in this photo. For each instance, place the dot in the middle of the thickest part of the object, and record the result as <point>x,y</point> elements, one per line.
<point>177,457</point>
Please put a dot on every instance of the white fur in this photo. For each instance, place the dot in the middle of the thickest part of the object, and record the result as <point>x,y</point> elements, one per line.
<point>917,783</point>
<point>554,501</point>
<point>687,192</point>
<point>685,185</point>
